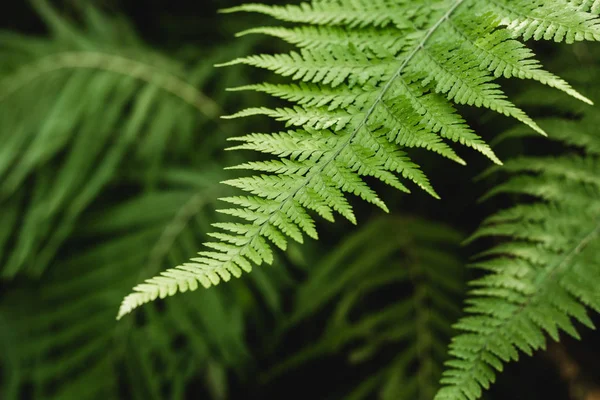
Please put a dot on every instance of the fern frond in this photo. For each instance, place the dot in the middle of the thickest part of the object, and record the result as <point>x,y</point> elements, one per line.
<point>75,109</point>
<point>541,279</point>
<point>369,100</point>
<point>412,256</point>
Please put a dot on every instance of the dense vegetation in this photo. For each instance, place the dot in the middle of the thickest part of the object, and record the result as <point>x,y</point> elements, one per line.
<point>111,170</point>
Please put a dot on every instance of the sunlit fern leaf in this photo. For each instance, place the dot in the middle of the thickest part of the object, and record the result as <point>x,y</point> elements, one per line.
<point>65,345</point>
<point>389,255</point>
<point>75,108</point>
<point>369,99</point>
<point>542,276</point>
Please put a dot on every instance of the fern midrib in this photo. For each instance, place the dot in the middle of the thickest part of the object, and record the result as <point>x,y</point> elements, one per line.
<point>360,126</point>
<point>539,282</point>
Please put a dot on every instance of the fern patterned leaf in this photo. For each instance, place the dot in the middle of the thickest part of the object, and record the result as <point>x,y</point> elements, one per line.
<point>540,280</point>
<point>498,52</point>
<point>296,145</point>
<point>369,100</point>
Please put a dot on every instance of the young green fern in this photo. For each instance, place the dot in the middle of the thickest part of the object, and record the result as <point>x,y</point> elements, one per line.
<point>372,79</point>
<point>544,274</point>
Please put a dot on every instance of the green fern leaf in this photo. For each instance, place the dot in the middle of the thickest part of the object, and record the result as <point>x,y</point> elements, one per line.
<point>540,280</point>
<point>363,102</point>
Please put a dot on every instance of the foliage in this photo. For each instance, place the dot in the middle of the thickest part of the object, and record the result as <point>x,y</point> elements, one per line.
<point>58,151</point>
<point>416,254</point>
<point>93,122</point>
<point>352,100</point>
<point>157,365</point>
<point>110,171</point>
<point>544,274</point>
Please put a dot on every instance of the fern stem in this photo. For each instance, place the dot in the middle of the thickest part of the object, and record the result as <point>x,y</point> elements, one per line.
<point>111,63</point>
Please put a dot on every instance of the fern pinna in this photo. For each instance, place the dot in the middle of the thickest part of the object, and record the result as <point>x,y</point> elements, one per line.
<point>372,79</point>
